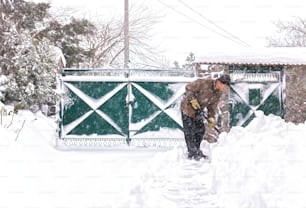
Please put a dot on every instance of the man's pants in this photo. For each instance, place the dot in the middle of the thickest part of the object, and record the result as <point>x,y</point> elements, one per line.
<point>194,130</point>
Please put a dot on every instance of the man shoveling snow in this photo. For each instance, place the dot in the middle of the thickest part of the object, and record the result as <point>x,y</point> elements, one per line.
<point>200,94</point>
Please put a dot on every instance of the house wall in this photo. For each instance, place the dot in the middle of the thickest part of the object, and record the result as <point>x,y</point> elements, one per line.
<point>295,94</point>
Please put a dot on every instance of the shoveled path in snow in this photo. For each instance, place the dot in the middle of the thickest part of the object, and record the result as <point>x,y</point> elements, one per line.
<point>169,180</point>
<point>35,174</point>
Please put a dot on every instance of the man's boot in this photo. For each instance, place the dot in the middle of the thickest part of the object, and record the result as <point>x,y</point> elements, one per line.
<point>200,155</point>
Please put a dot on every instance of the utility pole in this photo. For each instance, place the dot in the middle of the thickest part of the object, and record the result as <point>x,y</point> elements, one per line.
<point>126,34</point>
<point>126,66</point>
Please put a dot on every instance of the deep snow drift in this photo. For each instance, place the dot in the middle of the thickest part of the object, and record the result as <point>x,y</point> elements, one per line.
<point>262,165</point>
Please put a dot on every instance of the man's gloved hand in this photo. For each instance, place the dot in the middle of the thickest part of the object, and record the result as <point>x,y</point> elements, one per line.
<point>211,122</point>
<point>195,104</point>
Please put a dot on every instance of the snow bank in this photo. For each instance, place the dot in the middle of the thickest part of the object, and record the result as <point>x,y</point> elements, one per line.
<point>265,165</point>
<point>262,165</point>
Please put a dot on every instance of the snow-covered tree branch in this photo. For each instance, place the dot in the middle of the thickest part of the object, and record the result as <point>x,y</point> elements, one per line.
<point>289,33</point>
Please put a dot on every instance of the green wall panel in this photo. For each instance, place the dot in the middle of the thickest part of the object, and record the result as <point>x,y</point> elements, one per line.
<point>159,89</point>
<point>142,107</point>
<point>272,105</point>
<point>238,110</point>
<point>256,88</point>
<point>160,121</point>
<point>94,125</point>
<point>74,108</point>
<point>117,110</point>
<point>96,89</point>
<point>242,113</point>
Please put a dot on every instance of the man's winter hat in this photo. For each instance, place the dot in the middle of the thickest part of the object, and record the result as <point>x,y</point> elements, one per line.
<point>225,79</point>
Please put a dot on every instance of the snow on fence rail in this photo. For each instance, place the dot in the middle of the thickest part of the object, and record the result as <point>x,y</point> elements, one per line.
<point>128,75</point>
<point>129,72</point>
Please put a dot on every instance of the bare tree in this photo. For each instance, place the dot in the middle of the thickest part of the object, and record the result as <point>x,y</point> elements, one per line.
<point>292,34</point>
<point>105,46</point>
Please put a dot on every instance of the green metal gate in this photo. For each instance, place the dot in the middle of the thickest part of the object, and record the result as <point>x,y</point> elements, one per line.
<point>255,88</point>
<point>135,107</point>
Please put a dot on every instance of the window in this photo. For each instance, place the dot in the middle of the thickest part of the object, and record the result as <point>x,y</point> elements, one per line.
<point>254,97</point>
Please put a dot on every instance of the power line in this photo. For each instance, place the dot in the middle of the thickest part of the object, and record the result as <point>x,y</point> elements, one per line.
<point>201,24</point>
<point>233,36</point>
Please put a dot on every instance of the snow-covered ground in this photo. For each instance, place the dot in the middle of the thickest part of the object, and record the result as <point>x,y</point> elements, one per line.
<point>262,165</point>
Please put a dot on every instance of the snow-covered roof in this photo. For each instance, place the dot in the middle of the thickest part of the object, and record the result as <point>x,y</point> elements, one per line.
<point>254,56</point>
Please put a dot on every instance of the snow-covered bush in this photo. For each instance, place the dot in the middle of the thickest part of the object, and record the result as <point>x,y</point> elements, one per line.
<point>34,73</point>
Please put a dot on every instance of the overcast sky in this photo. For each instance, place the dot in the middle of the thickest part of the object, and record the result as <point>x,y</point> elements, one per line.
<point>197,25</point>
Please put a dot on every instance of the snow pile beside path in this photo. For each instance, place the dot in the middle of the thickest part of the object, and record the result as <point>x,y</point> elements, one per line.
<point>262,165</point>
<point>11,124</point>
<point>8,126</point>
